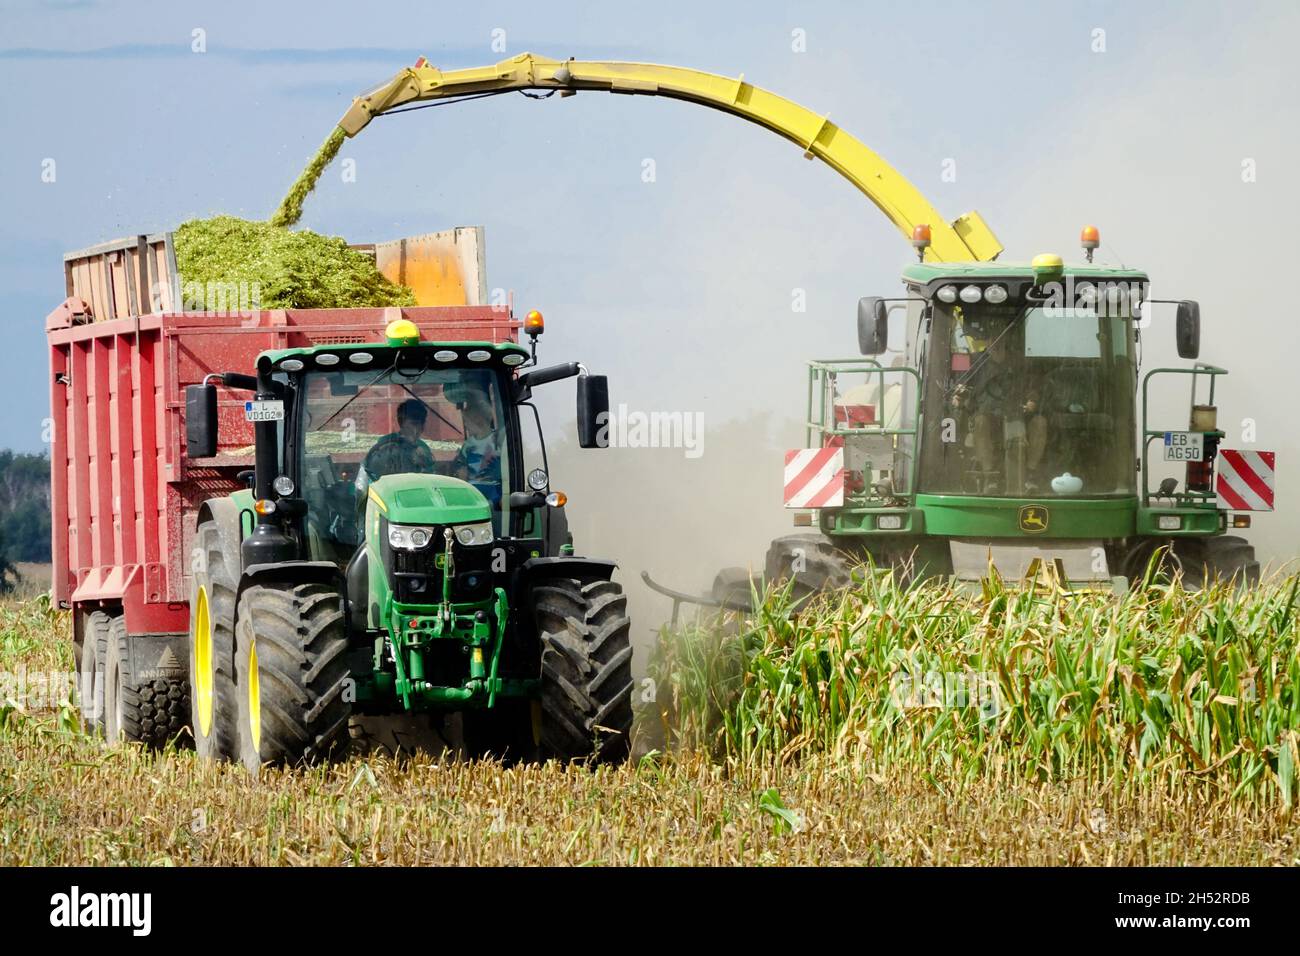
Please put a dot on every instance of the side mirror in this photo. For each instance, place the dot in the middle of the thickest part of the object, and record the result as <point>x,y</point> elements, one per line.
<point>873,325</point>
<point>593,411</point>
<point>1188,329</point>
<point>200,421</point>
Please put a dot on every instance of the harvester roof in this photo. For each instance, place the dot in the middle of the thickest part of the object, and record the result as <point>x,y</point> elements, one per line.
<point>923,273</point>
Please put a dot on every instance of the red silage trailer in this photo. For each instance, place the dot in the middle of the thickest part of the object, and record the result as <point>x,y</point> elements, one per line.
<point>124,491</point>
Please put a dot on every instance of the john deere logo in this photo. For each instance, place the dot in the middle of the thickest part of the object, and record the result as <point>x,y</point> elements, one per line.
<point>1033,519</point>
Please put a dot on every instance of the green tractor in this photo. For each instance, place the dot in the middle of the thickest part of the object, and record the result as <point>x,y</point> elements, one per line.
<point>1012,435</point>
<point>391,557</point>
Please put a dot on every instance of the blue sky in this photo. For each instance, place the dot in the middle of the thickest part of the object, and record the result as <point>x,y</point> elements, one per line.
<point>680,289</point>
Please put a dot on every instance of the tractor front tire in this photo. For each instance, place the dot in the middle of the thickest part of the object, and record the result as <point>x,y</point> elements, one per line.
<point>292,671</point>
<point>90,669</point>
<point>154,712</point>
<point>586,673</point>
<point>214,707</point>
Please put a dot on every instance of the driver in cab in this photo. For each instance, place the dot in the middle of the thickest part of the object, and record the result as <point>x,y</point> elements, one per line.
<point>399,452</point>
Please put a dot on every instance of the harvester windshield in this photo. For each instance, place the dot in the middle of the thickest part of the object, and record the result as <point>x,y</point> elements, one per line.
<point>1035,401</point>
<point>361,425</point>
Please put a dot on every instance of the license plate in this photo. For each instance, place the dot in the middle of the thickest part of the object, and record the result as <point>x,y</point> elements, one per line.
<point>1184,446</point>
<point>269,411</point>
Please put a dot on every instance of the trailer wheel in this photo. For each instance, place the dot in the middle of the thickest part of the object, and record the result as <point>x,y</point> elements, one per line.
<point>291,663</point>
<point>586,676</point>
<point>213,702</point>
<point>90,669</point>
<point>153,712</point>
<point>812,562</point>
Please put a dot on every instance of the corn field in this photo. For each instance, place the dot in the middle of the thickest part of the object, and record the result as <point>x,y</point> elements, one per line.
<point>1006,685</point>
<point>879,727</point>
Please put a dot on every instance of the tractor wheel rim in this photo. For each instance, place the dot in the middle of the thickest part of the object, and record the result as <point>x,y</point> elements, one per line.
<point>254,698</point>
<point>203,678</point>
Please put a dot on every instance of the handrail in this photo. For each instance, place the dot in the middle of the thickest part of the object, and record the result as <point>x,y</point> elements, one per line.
<point>1198,369</point>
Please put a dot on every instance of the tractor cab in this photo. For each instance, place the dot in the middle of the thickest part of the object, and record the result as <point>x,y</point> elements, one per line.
<point>1029,381</point>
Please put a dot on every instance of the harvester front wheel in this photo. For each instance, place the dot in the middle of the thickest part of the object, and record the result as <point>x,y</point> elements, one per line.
<point>90,669</point>
<point>1205,561</point>
<point>214,708</point>
<point>152,712</point>
<point>292,672</point>
<point>586,675</point>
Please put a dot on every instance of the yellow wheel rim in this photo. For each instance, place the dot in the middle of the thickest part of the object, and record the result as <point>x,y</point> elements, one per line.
<point>203,661</point>
<point>254,697</point>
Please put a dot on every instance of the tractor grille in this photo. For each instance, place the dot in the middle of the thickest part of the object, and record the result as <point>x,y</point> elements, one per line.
<point>417,579</point>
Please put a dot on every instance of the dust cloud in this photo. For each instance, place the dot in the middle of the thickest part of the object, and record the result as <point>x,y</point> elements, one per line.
<point>680,519</point>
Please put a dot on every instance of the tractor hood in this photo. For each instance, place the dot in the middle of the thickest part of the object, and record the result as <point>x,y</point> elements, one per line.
<point>429,500</point>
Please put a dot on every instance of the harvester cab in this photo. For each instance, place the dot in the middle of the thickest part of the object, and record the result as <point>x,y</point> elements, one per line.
<point>1007,434</point>
<point>393,556</point>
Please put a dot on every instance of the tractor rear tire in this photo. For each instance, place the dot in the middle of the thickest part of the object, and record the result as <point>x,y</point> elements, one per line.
<point>811,561</point>
<point>586,674</point>
<point>1223,558</point>
<point>154,712</point>
<point>90,669</point>
<point>292,671</point>
<point>214,707</point>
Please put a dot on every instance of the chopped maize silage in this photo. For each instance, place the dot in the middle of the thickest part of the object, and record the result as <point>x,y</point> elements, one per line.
<point>287,269</point>
<point>290,210</point>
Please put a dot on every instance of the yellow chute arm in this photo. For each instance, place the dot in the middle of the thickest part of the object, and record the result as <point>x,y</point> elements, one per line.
<point>966,238</point>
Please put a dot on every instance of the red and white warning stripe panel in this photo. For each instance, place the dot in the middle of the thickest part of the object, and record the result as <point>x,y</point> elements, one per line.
<point>814,478</point>
<point>1245,479</point>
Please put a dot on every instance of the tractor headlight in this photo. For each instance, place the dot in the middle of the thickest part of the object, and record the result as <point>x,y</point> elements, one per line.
<point>405,537</point>
<point>480,533</point>
<point>889,522</point>
<point>1170,522</point>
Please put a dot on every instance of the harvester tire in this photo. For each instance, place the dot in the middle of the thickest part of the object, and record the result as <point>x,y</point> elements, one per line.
<point>586,674</point>
<point>1205,561</point>
<point>153,712</point>
<point>292,673</point>
<point>214,706</point>
<point>812,562</point>
<point>733,588</point>
<point>90,670</point>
